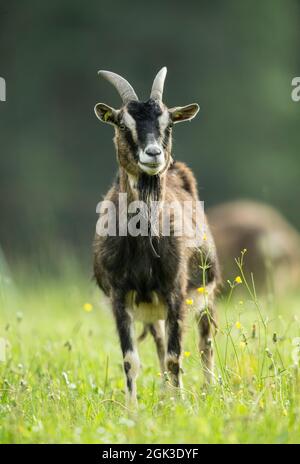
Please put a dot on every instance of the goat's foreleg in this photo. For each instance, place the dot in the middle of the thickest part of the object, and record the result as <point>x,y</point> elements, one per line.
<point>174,339</point>
<point>131,362</point>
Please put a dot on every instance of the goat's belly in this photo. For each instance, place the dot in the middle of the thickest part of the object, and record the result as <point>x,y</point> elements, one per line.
<point>146,312</point>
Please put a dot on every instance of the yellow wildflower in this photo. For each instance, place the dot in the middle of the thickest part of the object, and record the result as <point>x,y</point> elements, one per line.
<point>238,325</point>
<point>242,345</point>
<point>204,237</point>
<point>120,383</point>
<point>261,404</point>
<point>238,280</point>
<point>88,307</point>
<point>201,290</point>
<point>187,354</point>
<point>189,301</point>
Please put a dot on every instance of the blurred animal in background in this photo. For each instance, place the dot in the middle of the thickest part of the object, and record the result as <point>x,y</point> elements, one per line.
<point>273,245</point>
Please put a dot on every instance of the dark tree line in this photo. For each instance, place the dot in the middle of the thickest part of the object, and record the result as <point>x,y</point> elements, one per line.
<point>236,59</point>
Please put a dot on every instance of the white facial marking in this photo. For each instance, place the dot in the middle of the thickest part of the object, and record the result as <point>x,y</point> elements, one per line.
<point>152,158</point>
<point>163,120</point>
<point>131,124</point>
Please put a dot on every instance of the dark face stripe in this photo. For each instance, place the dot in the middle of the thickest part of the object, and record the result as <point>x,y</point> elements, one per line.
<point>146,116</point>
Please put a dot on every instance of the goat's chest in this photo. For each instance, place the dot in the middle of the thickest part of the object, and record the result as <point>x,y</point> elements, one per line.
<point>135,264</point>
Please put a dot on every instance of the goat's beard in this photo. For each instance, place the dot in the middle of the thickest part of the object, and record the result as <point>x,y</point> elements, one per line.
<point>149,188</point>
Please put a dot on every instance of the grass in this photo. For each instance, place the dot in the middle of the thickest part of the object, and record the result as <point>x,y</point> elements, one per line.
<point>62,380</point>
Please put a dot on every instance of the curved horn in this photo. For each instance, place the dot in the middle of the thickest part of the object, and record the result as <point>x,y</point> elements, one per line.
<point>158,84</point>
<point>122,85</point>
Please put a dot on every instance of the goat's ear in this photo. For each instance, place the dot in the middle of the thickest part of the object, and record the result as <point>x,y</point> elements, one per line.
<point>184,113</point>
<point>106,114</point>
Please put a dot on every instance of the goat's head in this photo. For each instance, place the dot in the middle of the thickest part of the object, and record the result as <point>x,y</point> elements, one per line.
<point>143,130</point>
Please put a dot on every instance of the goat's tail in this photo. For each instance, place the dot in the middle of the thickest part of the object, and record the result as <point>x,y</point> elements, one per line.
<point>144,333</point>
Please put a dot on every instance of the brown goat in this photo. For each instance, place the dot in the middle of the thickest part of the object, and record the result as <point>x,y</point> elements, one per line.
<point>273,245</point>
<point>148,276</point>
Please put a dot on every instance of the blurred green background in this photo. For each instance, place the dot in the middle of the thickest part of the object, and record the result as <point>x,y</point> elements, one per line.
<point>236,59</point>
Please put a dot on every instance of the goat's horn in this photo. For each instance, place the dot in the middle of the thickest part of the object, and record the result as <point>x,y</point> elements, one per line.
<point>158,84</point>
<point>122,85</point>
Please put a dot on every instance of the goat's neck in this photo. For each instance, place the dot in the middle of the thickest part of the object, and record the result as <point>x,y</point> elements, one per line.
<point>143,187</point>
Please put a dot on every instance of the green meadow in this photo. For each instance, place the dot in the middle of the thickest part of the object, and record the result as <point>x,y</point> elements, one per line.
<point>61,378</point>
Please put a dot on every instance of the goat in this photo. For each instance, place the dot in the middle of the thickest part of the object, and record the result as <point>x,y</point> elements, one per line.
<point>273,244</point>
<point>149,277</point>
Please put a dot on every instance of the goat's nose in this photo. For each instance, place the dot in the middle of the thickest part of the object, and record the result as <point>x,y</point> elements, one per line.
<point>153,150</point>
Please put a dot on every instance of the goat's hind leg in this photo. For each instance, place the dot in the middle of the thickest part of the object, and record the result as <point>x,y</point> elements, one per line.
<point>206,323</point>
<point>206,344</point>
<point>157,331</point>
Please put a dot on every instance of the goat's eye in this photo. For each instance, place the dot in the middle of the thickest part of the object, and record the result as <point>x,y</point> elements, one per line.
<point>171,124</point>
<point>122,127</point>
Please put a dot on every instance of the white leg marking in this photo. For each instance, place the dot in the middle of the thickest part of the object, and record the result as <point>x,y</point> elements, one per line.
<point>131,368</point>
